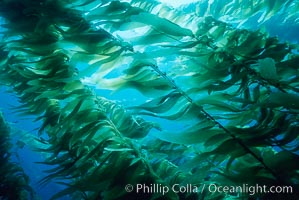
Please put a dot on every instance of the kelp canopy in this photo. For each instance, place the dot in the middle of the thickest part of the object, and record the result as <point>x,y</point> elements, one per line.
<point>219,104</point>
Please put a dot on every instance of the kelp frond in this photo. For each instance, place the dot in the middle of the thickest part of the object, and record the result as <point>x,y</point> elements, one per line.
<point>14,183</point>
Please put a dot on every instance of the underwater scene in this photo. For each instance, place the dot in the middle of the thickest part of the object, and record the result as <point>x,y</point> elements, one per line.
<point>149,100</point>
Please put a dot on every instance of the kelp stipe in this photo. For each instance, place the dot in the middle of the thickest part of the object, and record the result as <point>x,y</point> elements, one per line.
<point>237,131</point>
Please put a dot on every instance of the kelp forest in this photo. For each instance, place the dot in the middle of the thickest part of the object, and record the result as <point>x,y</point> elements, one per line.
<point>138,92</point>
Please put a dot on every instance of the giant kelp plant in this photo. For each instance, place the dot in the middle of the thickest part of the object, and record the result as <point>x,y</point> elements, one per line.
<point>14,183</point>
<point>230,93</point>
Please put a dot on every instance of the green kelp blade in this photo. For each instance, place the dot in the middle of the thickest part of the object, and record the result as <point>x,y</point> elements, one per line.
<point>277,99</point>
<point>218,103</point>
<point>228,147</point>
<point>151,37</point>
<point>250,175</point>
<point>87,131</point>
<point>183,112</point>
<point>161,104</point>
<point>275,162</point>
<point>216,139</point>
<point>64,192</point>
<point>267,68</point>
<point>291,134</point>
<point>98,148</point>
<point>138,64</point>
<point>161,24</point>
<point>194,135</point>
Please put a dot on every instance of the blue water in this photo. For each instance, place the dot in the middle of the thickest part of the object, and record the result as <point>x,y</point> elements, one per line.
<point>25,156</point>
